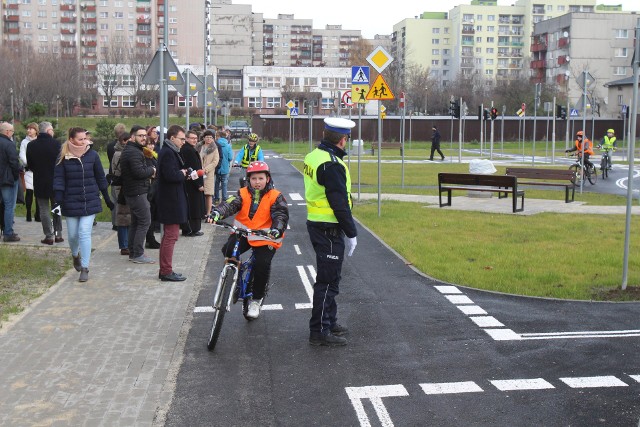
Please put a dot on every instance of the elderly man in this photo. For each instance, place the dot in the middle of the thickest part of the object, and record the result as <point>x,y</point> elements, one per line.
<point>9,174</point>
<point>42,155</point>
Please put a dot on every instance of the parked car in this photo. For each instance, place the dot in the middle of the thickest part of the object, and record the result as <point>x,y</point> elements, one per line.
<point>239,128</point>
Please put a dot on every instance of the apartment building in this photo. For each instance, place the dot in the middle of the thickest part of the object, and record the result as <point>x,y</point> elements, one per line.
<point>602,43</point>
<point>482,38</point>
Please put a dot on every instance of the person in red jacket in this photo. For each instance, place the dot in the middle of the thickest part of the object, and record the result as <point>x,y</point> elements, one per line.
<point>259,207</point>
<point>588,147</point>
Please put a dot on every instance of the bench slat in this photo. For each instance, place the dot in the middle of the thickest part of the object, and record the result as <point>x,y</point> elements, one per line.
<point>501,184</point>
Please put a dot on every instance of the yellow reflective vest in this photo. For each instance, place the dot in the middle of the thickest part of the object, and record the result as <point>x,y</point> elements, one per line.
<point>318,208</point>
<point>608,143</point>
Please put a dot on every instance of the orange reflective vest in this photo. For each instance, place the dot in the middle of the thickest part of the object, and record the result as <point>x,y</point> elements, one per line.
<point>261,219</point>
<point>588,146</point>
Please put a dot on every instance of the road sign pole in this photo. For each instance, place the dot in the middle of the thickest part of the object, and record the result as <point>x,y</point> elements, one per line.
<point>188,95</point>
<point>379,157</point>
<point>361,146</point>
<point>460,135</point>
<point>553,134</point>
<point>491,142</point>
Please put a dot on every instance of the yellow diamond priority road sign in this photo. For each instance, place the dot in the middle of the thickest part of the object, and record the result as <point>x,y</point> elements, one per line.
<point>379,59</point>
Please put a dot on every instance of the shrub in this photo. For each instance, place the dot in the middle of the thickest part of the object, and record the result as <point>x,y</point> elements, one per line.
<point>104,129</point>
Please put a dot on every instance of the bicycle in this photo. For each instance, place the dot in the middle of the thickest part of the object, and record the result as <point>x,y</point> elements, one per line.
<point>234,283</point>
<point>605,162</point>
<point>589,171</point>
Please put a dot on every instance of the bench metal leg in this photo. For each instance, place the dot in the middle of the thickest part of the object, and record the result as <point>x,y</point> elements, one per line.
<point>448,197</point>
<point>515,201</point>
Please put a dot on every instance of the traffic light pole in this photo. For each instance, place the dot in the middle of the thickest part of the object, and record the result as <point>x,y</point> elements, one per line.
<point>492,123</point>
<point>553,133</point>
<point>460,133</point>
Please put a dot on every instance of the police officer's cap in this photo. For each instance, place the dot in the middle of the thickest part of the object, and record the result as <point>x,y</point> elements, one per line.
<point>339,125</point>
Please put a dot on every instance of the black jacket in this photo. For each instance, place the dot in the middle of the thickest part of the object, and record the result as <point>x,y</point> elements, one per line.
<point>171,200</point>
<point>136,173</point>
<point>42,156</point>
<point>195,197</point>
<point>9,165</point>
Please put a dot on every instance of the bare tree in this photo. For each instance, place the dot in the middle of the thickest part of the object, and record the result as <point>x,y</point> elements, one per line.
<point>111,67</point>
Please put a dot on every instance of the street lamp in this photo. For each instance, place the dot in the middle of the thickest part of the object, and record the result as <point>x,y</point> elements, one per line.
<point>57,103</point>
<point>11,92</point>
<point>426,101</point>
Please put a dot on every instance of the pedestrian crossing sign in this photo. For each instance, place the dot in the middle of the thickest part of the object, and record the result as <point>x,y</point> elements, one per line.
<point>359,94</point>
<point>380,90</point>
<point>574,112</point>
<point>360,75</point>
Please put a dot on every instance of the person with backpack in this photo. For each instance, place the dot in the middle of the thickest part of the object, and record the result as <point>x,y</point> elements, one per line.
<point>210,156</point>
<point>224,166</point>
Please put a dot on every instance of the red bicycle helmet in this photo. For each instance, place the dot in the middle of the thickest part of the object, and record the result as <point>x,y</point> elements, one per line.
<point>258,167</point>
<point>579,133</point>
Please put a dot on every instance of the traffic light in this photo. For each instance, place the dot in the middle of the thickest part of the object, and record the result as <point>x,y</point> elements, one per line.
<point>494,113</point>
<point>486,114</point>
<point>452,108</point>
<point>561,112</point>
<point>456,109</point>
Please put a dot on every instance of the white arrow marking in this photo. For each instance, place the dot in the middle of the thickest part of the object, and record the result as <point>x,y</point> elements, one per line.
<point>375,395</point>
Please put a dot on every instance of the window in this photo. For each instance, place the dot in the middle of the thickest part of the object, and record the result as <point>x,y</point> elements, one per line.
<point>311,81</point>
<point>104,26</point>
<point>490,50</point>
<point>27,25</point>
<point>489,61</point>
<point>560,8</point>
<point>435,62</point>
<point>435,30</point>
<point>621,52</point>
<point>42,25</point>
<point>478,50</point>
<point>479,17</point>
<point>105,102</point>
<point>118,15</point>
<point>619,71</point>
<point>435,41</point>
<point>478,27</point>
<point>478,39</point>
<point>446,51</point>
<point>620,101</point>
<point>173,31</point>
<point>327,104</point>
<point>549,7</point>
<point>621,34</point>
<point>435,51</point>
<point>128,101</point>
<point>119,27</point>
<point>42,14</point>
<point>255,102</point>
<point>26,13</point>
<point>227,83</point>
<point>491,17</point>
<point>274,102</point>
<point>182,101</point>
<point>468,17</point>
<point>488,72</point>
<point>491,28</point>
<point>173,20</point>
<point>128,80</point>
<point>491,39</point>
<point>42,38</point>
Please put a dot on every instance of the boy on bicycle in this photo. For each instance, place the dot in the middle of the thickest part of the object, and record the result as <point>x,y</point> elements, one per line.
<point>258,207</point>
<point>608,144</point>
<point>588,148</point>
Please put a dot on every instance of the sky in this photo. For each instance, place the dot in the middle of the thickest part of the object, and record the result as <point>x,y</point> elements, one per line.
<point>371,17</point>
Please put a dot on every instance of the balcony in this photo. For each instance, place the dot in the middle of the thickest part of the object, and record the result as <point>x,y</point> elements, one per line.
<point>91,20</point>
<point>67,20</point>
<point>466,53</point>
<point>92,67</point>
<point>140,32</point>
<point>89,43</point>
<point>564,41</point>
<point>468,31</point>
<point>12,30</point>
<point>143,20</point>
<point>538,64</point>
<point>561,79</point>
<point>12,18</point>
<point>143,9</point>
<point>538,47</point>
<point>64,43</point>
<point>143,44</point>
<point>64,55</point>
<point>68,7</point>
<point>12,6</point>
<point>563,59</point>
<point>67,31</point>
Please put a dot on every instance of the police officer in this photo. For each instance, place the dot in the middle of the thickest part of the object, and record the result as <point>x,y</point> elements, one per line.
<point>327,186</point>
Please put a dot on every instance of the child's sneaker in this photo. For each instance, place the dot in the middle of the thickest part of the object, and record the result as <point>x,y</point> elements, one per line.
<point>254,308</point>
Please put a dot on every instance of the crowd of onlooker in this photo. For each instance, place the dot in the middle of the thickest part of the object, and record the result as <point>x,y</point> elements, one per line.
<point>149,184</point>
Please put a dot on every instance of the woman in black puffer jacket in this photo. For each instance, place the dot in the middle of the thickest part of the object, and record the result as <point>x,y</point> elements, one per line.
<point>78,181</point>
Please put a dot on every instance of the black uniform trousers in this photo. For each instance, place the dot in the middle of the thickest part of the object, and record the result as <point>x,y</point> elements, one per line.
<point>261,267</point>
<point>328,243</point>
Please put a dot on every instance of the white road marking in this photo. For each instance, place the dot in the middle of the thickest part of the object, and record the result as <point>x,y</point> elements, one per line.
<point>459,299</point>
<point>303,305</point>
<point>204,309</point>
<point>308,287</point>
<point>580,334</point>
<point>451,388</point>
<point>448,289</point>
<point>591,382</point>
<point>503,334</point>
<point>522,384</point>
<point>272,307</point>
<point>471,309</point>
<point>296,196</point>
<point>297,249</point>
<point>375,395</point>
<point>486,321</point>
<point>301,204</point>
<point>635,377</point>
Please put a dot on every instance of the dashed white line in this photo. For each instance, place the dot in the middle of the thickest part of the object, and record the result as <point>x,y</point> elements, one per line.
<point>448,289</point>
<point>591,382</point>
<point>522,384</point>
<point>471,309</point>
<point>503,334</point>
<point>297,249</point>
<point>451,388</point>
<point>459,299</point>
<point>295,196</point>
<point>486,321</point>
<point>272,307</point>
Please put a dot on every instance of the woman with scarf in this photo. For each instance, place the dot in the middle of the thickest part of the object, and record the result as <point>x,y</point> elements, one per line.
<point>78,181</point>
<point>210,159</point>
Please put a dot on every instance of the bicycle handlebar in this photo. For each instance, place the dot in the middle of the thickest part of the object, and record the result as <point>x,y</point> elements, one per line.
<point>242,231</point>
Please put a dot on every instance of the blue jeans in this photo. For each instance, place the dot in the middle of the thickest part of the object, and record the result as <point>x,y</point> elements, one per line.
<point>79,234</point>
<point>220,186</point>
<point>9,194</point>
<point>123,236</point>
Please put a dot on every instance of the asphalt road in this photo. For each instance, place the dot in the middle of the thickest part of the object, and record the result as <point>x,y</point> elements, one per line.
<point>420,352</point>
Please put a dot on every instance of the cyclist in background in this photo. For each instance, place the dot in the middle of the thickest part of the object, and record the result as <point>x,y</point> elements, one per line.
<point>588,148</point>
<point>259,207</point>
<point>608,144</point>
<point>251,152</point>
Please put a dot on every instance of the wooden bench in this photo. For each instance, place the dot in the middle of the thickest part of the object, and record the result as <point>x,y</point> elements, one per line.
<point>566,175</point>
<point>501,184</point>
<point>374,146</point>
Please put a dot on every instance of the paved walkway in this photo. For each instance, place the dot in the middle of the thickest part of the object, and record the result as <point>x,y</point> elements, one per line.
<point>107,352</point>
<point>104,352</point>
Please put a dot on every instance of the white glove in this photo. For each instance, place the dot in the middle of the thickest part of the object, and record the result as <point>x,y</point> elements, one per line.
<point>352,242</point>
<point>194,175</point>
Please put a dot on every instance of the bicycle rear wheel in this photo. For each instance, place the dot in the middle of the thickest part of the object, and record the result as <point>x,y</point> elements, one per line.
<point>220,310</point>
<point>577,175</point>
<point>592,174</point>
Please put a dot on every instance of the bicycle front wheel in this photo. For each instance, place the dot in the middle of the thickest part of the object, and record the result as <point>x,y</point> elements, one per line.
<point>604,167</point>
<point>592,174</point>
<point>577,175</point>
<point>220,310</point>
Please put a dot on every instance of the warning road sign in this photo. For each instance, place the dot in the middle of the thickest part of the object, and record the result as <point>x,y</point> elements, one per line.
<point>380,90</point>
<point>359,94</point>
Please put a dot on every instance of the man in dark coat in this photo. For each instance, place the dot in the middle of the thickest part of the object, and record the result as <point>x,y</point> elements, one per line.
<point>195,187</point>
<point>42,156</point>
<point>435,143</point>
<point>136,181</point>
<point>171,199</point>
<point>9,175</point>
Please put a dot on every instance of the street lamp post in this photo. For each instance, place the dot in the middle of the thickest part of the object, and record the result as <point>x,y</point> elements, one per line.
<point>57,103</point>
<point>11,92</point>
